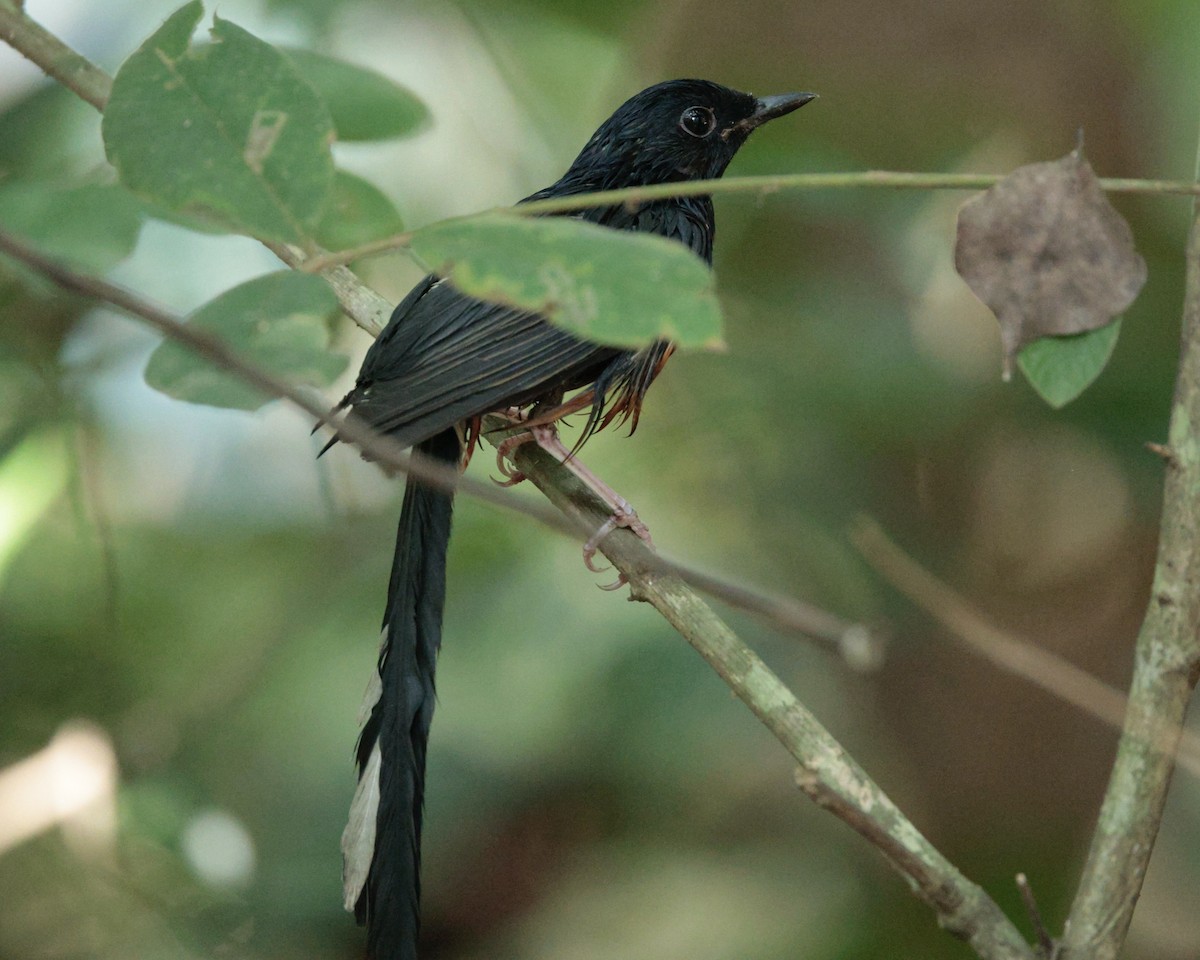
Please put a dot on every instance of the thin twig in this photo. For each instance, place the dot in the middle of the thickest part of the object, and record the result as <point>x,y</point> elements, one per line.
<point>1052,673</point>
<point>35,42</point>
<point>1044,940</point>
<point>375,248</point>
<point>633,196</point>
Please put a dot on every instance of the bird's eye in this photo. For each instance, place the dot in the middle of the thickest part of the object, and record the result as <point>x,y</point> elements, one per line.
<point>697,121</point>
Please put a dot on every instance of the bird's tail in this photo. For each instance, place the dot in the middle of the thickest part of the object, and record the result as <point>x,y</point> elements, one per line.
<point>381,846</point>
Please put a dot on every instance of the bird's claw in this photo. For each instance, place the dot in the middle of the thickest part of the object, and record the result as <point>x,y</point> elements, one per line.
<point>512,476</point>
<point>589,548</point>
<point>624,516</point>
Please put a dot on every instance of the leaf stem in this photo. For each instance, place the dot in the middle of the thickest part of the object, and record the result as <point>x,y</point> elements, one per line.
<point>762,185</point>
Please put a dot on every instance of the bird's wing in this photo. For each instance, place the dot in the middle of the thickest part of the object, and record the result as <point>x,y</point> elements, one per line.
<point>445,357</point>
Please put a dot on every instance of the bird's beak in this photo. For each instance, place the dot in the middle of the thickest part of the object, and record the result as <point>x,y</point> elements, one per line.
<point>771,107</point>
<point>768,109</point>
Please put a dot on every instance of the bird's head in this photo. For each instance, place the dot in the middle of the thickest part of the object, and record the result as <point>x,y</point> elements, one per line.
<point>677,130</point>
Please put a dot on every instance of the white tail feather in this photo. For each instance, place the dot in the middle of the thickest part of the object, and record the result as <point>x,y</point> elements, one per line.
<point>358,839</point>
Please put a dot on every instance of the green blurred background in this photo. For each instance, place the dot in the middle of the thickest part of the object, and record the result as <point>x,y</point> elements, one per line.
<point>191,587</point>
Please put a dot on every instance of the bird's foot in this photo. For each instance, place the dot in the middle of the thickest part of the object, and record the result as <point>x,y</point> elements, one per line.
<point>512,476</point>
<point>623,516</point>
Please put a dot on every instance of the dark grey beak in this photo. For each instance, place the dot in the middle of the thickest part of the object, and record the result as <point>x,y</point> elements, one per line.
<point>768,109</point>
<point>771,107</point>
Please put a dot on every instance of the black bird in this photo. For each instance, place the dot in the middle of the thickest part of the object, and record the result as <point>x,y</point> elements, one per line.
<point>444,360</point>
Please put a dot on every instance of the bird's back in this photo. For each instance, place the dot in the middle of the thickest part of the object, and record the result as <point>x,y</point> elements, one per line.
<point>445,357</point>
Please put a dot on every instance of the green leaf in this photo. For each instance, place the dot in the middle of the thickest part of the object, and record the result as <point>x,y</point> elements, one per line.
<point>360,212</point>
<point>1061,368</point>
<point>92,227</point>
<point>611,286</point>
<point>365,105</point>
<point>229,130</point>
<point>279,323</point>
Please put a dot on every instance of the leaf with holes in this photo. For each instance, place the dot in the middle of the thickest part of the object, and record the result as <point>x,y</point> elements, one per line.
<point>612,286</point>
<point>279,323</point>
<point>229,131</point>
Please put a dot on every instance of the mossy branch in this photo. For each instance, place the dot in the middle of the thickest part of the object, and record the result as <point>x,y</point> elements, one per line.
<point>1166,667</point>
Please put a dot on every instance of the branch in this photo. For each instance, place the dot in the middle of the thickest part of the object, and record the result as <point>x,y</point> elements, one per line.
<point>633,196</point>
<point>31,39</point>
<point>827,773</point>
<point>1166,667</point>
<point>360,303</point>
<point>1052,673</point>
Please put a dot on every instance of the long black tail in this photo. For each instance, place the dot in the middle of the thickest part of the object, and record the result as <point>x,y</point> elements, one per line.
<point>381,845</point>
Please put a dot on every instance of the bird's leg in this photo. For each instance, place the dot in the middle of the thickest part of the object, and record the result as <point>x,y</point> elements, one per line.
<point>623,514</point>
<point>545,435</point>
<point>512,476</point>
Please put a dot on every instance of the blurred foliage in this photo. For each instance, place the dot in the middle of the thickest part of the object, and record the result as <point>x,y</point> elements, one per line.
<point>364,105</point>
<point>278,322</point>
<point>200,587</point>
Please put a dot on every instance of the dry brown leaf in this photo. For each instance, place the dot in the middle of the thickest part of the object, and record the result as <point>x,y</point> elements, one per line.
<point>1046,251</point>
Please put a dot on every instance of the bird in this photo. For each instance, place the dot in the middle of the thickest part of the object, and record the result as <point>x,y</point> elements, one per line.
<point>445,359</point>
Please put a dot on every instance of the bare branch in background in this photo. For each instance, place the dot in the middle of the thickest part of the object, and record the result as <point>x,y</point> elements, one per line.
<point>1033,664</point>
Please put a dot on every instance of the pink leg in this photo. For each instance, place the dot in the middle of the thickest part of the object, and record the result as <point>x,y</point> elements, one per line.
<point>623,514</point>
<point>546,437</point>
<point>512,476</point>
